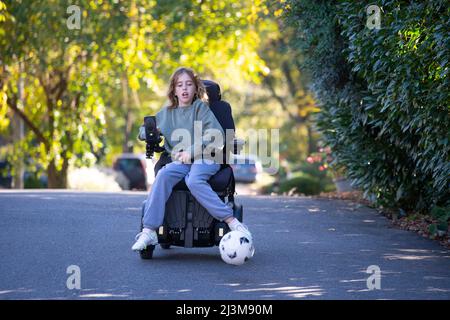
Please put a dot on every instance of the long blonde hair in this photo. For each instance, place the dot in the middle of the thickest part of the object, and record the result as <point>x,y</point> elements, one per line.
<point>200,88</point>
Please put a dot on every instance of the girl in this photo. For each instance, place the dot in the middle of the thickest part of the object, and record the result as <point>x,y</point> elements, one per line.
<point>187,97</point>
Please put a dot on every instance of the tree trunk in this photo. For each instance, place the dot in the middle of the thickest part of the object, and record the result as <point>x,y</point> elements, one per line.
<point>311,142</point>
<point>18,132</point>
<point>126,147</point>
<point>57,179</point>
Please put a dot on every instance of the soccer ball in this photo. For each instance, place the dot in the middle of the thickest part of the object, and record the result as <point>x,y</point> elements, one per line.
<point>236,247</point>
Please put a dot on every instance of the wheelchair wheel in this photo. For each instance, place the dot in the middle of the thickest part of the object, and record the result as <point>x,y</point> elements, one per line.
<point>147,253</point>
<point>165,246</point>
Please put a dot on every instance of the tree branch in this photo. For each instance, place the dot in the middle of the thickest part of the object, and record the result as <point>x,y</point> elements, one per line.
<point>269,84</point>
<point>291,84</point>
<point>12,103</point>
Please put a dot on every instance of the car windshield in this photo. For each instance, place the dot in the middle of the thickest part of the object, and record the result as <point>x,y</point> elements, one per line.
<point>129,164</point>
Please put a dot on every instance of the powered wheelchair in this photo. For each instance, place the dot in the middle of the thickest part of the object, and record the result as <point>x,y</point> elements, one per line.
<point>186,222</point>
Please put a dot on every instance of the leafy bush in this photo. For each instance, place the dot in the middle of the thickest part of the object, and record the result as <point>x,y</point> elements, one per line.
<point>305,184</point>
<point>308,182</point>
<point>34,180</point>
<point>312,169</point>
<point>442,217</point>
<point>384,94</point>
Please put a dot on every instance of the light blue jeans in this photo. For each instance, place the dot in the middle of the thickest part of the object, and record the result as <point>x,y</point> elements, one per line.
<point>196,176</point>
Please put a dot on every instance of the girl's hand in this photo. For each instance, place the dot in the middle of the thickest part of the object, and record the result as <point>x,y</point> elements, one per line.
<point>183,156</point>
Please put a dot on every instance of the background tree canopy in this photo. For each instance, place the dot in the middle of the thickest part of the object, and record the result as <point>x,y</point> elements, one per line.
<point>377,98</point>
<point>84,89</point>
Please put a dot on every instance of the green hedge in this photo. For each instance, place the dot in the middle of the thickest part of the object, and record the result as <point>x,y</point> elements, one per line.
<point>309,181</point>
<point>303,184</point>
<point>384,94</point>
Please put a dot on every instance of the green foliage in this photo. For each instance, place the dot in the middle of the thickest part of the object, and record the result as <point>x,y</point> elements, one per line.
<point>442,217</point>
<point>62,106</point>
<point>312,169</point>
<point>306,179</point>
<point>84,87</point>
<point>316,171</point>
<point>384,94</point>
<point>286,103</point>
<point>34,181</point>
<point>305,184</point>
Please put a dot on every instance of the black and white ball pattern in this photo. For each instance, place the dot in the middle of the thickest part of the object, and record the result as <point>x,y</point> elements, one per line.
<point>236,248</point>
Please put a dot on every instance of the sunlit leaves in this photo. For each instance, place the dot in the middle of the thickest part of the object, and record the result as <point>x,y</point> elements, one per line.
<point>75,79</point>
<point>384,94</point>
<point>4,119</point>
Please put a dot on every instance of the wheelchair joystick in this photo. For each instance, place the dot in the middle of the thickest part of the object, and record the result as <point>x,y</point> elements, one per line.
<point>152,137</point>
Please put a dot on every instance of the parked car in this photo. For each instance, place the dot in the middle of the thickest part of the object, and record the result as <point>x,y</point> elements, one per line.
<point>134,167</point>
<point>5,174</point>
<point>31,180</point>
<point>246,168</point>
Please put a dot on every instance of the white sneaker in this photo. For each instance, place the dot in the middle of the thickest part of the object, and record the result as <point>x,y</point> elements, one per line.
<point>143,239</point>
<point>239,226</point>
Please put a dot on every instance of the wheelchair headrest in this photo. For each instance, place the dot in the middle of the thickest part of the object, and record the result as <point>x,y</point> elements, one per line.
<point>220,108</point>
<point>213,90</point>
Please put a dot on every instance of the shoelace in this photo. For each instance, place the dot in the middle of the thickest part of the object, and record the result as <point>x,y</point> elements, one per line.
<point>243,228</point>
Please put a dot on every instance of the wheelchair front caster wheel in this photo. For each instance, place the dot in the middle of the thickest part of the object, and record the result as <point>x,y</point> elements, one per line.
<point>165,246</point>
<point>147,253</point>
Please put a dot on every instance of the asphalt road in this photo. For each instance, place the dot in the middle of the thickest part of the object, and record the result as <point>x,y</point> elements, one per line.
<point>305,249</point>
